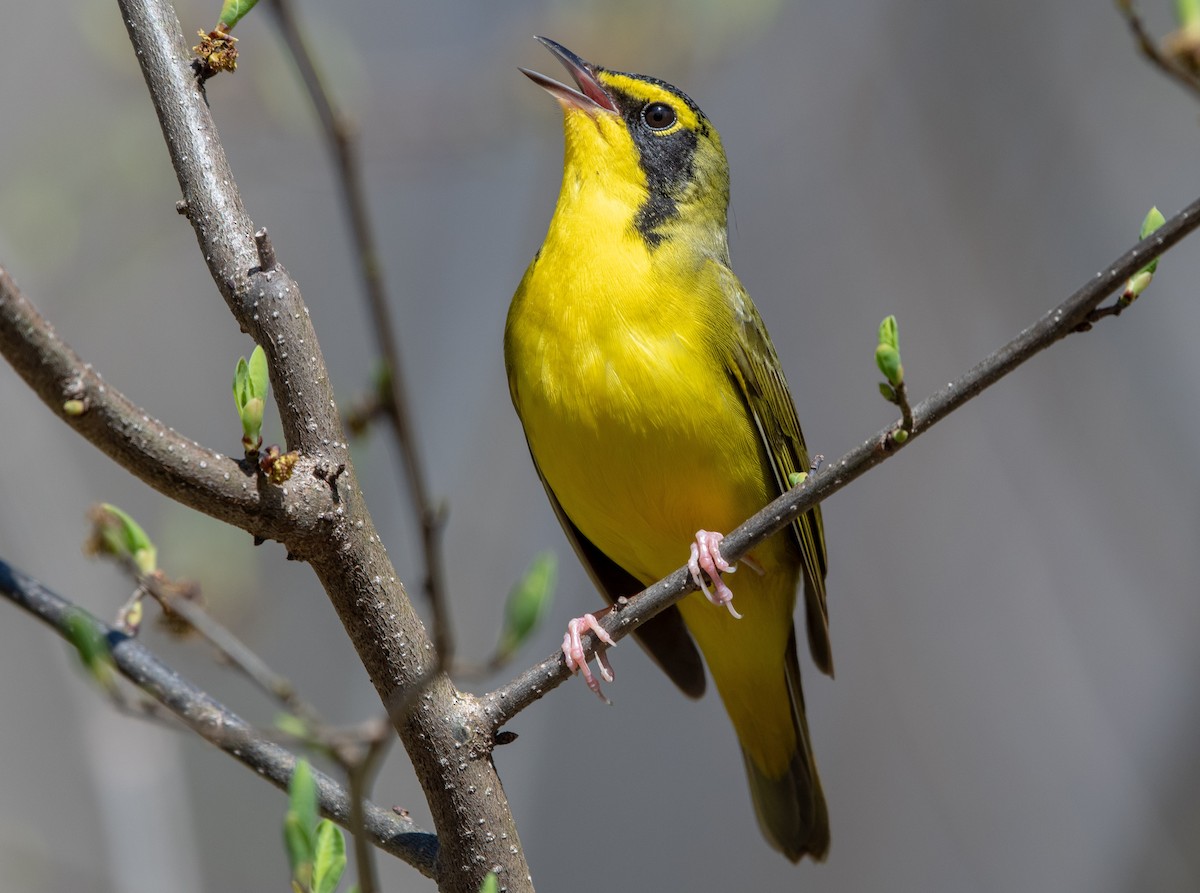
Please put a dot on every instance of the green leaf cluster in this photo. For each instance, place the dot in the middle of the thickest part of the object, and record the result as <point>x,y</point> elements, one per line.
<point>250,383</point>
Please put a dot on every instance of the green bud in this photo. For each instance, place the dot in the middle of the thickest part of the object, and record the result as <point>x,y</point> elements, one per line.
<point>1139,281</point>
<point>888,392</point>
<point>1137,284</point>
<point>528,602</point>
<point>887,358</point>
<point>900,435</point>
<point>252,417</point>
<point>92,647</point>
<point>796,478</point>
<point>74,407</point>
<point>115,533</point>
<point>491,883</point>
<point>887,352</point>
<point>1154,219</point>
<point>250,384</point>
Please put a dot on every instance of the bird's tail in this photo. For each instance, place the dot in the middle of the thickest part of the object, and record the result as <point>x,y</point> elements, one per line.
<point>791,807</point>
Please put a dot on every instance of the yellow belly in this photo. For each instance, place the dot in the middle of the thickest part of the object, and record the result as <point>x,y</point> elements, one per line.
<point>644,440</point>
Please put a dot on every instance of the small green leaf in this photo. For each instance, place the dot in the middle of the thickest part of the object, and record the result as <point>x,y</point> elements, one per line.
<point>259,378</point>
<point>1154,218</point>
<point>796,478</point>
<point>888,333</point>
<point>528,602</point>
<point>232,11</point>
<point>299,824</point>
<point>302,793</point>
<point>330,861</point>
<point>299,844</point>
<point>888,392</point>
<point>491,883</point>
<point>887,358</point>
<point>92,647</point>
<point>241,383</point>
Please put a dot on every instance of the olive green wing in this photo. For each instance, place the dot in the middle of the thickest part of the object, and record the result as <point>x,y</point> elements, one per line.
<point>754,367</point>
<point>664,636</point>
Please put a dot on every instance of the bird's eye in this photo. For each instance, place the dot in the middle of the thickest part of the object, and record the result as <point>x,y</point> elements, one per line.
<point>658,116</point>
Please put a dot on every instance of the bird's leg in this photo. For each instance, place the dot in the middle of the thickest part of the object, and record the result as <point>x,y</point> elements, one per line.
<point>706,556</point>
<point>572,649</point>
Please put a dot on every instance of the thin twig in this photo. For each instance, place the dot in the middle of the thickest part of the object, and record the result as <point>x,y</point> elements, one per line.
<point>343,146</point>
<point>219,725</point>
<point>234,650</point>
<point>506,702</point>
<point>361,762</point>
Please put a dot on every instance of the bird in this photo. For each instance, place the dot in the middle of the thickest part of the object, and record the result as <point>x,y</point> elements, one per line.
<point>657,415</point>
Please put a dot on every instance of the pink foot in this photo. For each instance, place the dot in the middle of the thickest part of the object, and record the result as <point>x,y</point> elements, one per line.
<point>572,649</point>
<point>706,556</point>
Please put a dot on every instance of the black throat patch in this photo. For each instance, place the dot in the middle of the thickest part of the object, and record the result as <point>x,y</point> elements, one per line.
<point>667,161</point>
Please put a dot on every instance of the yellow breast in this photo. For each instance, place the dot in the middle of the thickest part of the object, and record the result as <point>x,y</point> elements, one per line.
<point>614,359</point>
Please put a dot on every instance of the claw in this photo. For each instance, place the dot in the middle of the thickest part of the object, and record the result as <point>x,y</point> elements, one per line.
<point>572,649</point>
<point>706,557</point>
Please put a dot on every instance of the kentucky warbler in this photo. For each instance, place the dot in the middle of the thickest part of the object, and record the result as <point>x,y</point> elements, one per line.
<point>656,411</point>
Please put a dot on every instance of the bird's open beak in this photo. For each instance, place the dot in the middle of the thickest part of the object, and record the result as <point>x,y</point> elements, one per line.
<point>590,96</point>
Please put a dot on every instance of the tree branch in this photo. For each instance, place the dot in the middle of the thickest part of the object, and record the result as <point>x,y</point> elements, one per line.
<point>220,726</point>
<point>504,703</point>
<point>449,744</point>
<point>146,447</point>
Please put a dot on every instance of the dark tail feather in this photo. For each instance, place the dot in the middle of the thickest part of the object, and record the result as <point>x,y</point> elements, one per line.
<point>791,808</point>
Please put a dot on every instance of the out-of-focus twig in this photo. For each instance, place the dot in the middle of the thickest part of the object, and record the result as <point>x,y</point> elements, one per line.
<point>231,648</point>
<point>1161,60</point>
<point>340,136</point>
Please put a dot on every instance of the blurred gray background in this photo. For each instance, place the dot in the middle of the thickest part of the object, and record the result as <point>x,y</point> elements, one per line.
<point>1014,600</point>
